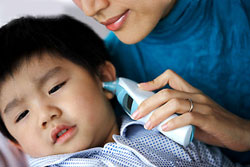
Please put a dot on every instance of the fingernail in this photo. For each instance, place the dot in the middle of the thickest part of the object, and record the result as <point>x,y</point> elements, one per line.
<point>148,125</point>
<point>142,84</point>
<point>135,115</point>
<point>165,127</point>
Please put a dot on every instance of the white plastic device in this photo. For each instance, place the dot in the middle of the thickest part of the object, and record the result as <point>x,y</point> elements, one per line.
<point>130,97</point>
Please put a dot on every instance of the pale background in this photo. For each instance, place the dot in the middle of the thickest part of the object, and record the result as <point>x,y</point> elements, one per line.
<point>10,9</point>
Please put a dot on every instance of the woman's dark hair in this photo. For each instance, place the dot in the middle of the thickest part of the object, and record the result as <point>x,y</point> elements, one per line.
<point>62,35</point>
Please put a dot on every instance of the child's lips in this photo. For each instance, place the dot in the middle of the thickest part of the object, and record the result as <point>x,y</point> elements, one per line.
<point>62,133</point>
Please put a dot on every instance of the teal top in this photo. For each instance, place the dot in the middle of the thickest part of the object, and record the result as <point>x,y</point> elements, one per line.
<point>207,42</point>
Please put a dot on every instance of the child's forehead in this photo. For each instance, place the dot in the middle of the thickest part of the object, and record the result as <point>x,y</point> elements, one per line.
<point>36,66</point>
<point>43,59</point>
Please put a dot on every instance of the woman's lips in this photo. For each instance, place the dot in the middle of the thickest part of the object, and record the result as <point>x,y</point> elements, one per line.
<point>70,131</point>
<point>115,23</point>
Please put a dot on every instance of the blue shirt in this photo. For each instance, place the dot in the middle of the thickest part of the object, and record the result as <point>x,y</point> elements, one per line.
<point>207,42</point>
<point>137,147</point>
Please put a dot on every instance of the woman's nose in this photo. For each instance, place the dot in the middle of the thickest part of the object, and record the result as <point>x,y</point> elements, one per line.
<point>91,7</point>
<point>48,115</point>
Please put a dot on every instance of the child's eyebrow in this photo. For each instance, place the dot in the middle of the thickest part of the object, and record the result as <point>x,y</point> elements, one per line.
<point>44,78</point>
<point>10,105</point>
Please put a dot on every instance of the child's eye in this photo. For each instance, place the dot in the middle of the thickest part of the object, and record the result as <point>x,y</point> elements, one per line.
<point>22,115</point>
<point>57,87</point>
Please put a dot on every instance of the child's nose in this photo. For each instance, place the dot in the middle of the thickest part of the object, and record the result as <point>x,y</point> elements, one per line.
<point>92,7</point>
<point>49,115</point>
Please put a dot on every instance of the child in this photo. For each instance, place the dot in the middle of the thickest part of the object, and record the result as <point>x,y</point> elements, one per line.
<point>54,109</point>
<point>207,42</point>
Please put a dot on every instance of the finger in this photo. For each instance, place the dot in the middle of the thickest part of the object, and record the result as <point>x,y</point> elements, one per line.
<point>155,101</point>
<point>179,106</point>
<point>183,120</point>
<point>164,96</point>
<point>197,117</point>
<point>78,3</point>
<point>172,79</point>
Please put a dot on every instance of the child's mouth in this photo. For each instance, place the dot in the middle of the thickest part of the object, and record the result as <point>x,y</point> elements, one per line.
<point>62,133</point>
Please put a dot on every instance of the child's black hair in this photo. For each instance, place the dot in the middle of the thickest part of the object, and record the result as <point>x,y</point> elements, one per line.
<point>27,36</point>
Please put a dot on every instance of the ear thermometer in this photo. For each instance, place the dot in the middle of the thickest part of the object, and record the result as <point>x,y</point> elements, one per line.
<point>130,97</point>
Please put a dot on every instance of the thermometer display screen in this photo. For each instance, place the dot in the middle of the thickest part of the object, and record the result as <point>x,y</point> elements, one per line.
<point>128,101</point>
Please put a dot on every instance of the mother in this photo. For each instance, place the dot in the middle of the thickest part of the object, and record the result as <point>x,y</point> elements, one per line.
<point>207,42</point>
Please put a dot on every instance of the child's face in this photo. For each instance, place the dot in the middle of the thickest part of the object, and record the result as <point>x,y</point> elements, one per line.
<point>48,97</point>
<point>135,19</point>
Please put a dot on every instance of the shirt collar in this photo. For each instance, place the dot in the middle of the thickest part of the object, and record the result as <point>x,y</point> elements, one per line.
<point>126,122</point>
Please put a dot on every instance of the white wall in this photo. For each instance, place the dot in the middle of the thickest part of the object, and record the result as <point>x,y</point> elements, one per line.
<point>10,9</point>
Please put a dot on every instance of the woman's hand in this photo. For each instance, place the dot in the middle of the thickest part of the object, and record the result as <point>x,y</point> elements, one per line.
<point>214,125</point>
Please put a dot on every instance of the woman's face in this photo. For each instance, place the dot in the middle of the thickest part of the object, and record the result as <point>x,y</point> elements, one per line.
<point>130,20</point>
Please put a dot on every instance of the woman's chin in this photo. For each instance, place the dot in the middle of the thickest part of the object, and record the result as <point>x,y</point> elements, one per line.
<point>130,38</point>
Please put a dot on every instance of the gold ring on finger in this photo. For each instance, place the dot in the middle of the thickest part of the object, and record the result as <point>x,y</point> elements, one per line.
<point>191,105</point>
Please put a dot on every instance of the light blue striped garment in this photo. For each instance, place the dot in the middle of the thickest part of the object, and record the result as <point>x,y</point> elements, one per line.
<point>140,148</point>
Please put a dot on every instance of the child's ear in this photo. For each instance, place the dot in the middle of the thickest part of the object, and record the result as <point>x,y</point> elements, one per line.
<point>107,73</point>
